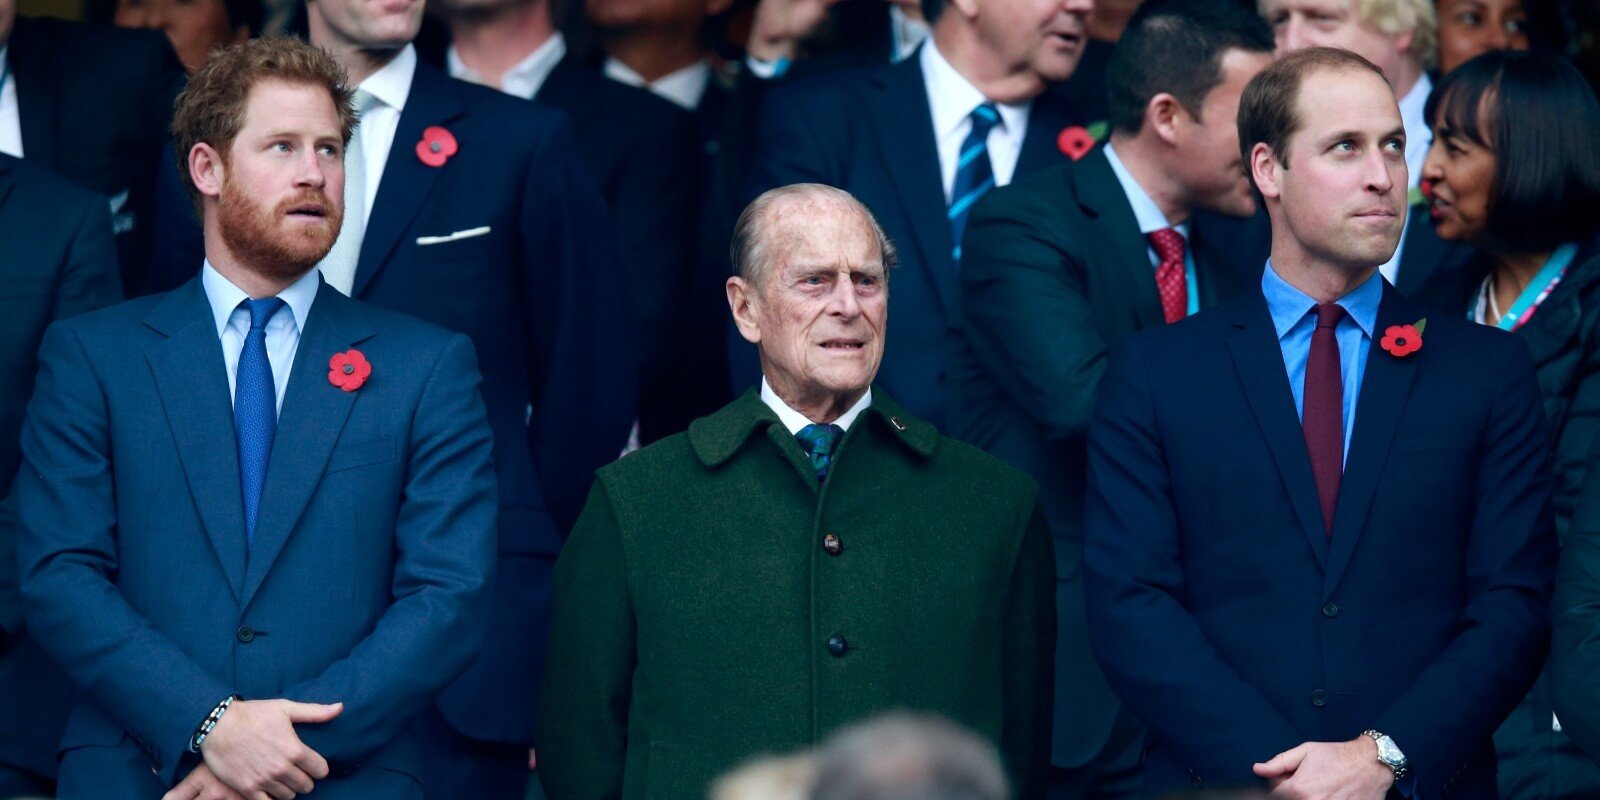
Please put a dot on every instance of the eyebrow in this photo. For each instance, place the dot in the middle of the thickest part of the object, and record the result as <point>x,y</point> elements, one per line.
<point>1398,131</point>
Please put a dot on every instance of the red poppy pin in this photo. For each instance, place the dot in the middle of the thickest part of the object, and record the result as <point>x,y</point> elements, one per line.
<point>437,146</point>
<point>349,370</point>
<point>1075,142</point>
<point>1403,340</point>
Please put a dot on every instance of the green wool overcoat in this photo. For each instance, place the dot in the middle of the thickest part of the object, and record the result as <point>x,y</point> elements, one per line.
<point>715,603</point>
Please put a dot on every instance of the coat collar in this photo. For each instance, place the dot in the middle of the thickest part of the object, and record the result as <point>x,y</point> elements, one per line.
<point>717,438</point>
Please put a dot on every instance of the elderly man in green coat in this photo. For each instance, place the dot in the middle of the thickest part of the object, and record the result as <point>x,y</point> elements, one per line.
<point>801,559</point>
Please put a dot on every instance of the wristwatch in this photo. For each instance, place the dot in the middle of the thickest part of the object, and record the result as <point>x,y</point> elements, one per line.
<point>1389,753</point>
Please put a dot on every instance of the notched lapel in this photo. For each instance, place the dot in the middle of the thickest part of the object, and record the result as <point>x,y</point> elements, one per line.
<point>1103,201</point>
<point>1253,343</point>
<point>313,415</point>
<point>193,383</point>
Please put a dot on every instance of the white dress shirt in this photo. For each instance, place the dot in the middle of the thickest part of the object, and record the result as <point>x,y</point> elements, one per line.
<point>1150,219</point>
<point>391,85</point>
<point>1419,137</point>
<point>283,330</point>
<point>795,421</point>
<point>685,87</point>
<point>525,78</point>
<point>905,34</point>
<point>952,99</point>
<point>10,115</point>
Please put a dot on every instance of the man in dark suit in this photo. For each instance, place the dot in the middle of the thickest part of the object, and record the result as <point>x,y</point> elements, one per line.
<point>1318,539</point>
<point>482,219</point>
<point>61,262</point>
<point>1060,264</point>
<point>918,142</point>
<point>257,517</point>
<point>91,103</point>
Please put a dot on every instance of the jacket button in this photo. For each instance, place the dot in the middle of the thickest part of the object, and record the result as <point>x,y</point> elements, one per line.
<point>837,646</point>
<point>246,634</point>
<point>1330,611</point>
<point>1319,698</point>
<point>832,545</point>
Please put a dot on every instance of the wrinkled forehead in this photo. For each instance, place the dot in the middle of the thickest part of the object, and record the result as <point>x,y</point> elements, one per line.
<point>811,233</point>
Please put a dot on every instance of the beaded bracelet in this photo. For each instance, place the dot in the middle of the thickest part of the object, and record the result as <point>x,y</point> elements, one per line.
<point>204,730</point>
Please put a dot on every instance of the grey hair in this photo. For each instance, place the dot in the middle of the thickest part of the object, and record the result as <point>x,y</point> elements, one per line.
<point>750,251</point>
<point>908,757</point>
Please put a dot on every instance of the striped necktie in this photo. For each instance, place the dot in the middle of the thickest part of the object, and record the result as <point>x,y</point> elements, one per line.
<point>974,173</point>
<point>819,442</point>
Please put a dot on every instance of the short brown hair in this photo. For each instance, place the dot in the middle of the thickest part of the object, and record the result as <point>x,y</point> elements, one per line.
<point>1269,110</point>
<point>211,108</point>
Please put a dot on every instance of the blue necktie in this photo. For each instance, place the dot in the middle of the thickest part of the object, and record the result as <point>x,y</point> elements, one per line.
<point>974,173</point>
<point>819,442</point>
<point>255,410</point>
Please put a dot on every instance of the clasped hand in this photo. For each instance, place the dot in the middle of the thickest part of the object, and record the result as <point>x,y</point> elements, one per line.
<point>1328,771</point>
<point>253,753</point>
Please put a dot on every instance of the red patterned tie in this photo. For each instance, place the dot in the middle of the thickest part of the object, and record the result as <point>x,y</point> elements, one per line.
<point>1322,414</point>
<point>1170,278</point>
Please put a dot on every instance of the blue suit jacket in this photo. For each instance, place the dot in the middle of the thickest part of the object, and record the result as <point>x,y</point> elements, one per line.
<point>368,581</point>
<point>870,133</point>
<point>1236,627</point>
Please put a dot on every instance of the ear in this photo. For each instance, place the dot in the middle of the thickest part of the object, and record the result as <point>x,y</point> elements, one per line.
<point>1161,115</point>
<point>968,9</point>
<point>742,302</point>
<point>1265,169</point>
<point>715,7</point>
<point>206,169</point>
<point>1403,41</point>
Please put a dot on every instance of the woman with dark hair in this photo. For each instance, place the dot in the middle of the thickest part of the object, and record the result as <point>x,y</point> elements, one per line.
<point>1468,28</point>
<point>1515,171</point>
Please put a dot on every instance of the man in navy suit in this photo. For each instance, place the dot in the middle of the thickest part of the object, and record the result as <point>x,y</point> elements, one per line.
<point>480,218</point>
<point>1319,541</point>
<point>60,262</point>
<point>918,142</point>
<point>257,518</point>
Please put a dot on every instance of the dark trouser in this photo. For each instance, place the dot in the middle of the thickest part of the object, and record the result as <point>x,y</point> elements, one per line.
<point>456,767</point>
<point>1113,774</point>
<point>18,782</point>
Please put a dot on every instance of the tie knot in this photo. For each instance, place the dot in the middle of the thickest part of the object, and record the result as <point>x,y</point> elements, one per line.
<point>1168,244</point>
<point>819,440</point>
<point>1329,314</point>
<point>984,118</point>
<point>261,311</point>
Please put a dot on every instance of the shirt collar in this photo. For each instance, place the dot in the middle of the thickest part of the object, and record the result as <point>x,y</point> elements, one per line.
<point>391,84</point>
<point>225,297</point>
<point>1145,210</point>
<point>907,34</point>
<point>1414,118</point>
<point>951,97</point>
<point>795,421</point>
<point>1289,305</point>
<point>685,87</point>
<point>526,77</point>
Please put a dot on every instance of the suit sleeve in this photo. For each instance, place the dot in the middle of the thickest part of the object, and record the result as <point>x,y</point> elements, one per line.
<point>68,558</point>
<point>1152,650</point>
<point>1029,642</point>
<point>1504,629</point>
<point>1025,315</point>
<point>583,725</point>
<point>445,556</point>
<point>585,364</point>
<point>1573,454</point>
<point>1575,650</point>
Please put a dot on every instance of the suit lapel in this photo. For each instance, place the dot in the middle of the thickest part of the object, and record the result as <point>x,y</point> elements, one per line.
<point>37,93</point>
<point>1384,389</point>
<point>1101,196</point>
<point>406,181</point>
<point>1253,343</point>
<point>193,383</point>
<point>313,414</point>
<point>5,179</point>
<point>900,118</point>
<point>1046,119</point>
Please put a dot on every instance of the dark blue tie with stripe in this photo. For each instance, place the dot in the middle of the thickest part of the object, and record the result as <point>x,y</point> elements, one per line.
<point>255,410</point>
<point>974,173</point>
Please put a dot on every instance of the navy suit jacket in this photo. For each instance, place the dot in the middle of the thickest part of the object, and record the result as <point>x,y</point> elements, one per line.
<point>870,133</point>
<point>59,262</point>
<point>368,581</point>
<point>1236,628</point>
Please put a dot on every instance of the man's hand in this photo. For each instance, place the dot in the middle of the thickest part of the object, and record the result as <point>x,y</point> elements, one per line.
<point>202,784</point>
<point>780,25</point>
<point>254,749</point>
<point>1328,771</point>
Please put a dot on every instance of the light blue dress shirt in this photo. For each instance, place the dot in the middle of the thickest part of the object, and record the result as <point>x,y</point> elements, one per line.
<point>1150,220</point>
<point>1294,317</point>
<point>283,330</point>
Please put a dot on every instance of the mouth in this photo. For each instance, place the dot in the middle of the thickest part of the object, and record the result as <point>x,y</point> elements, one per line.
<point>308,211</point>
<point>843,345</point>
<point>1438,207</point>
<point>1067,39</point>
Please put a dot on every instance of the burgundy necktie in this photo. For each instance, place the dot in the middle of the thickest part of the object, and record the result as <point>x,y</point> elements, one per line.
<point>1170,278</point>
<point>1322,417</point>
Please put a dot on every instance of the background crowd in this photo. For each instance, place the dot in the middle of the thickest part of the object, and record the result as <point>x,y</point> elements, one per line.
<point>561,182</point>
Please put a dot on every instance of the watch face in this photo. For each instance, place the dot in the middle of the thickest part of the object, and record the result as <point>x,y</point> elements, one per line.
<point>1389,753</point>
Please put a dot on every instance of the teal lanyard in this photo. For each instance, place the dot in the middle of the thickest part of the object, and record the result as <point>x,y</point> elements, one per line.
<point>1540,288</point>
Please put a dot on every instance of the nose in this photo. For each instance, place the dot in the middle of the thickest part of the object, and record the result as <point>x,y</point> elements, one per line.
<point>1084,7</point>
<point>1433,165</point>
<point>1292,36</point>
<point>313,172</point>
<point>1497,39</point>
<point>1381,172</point>
<point>843,301</point>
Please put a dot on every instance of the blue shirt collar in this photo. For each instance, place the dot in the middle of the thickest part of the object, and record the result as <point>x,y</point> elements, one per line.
<point>225,297</point>
<point>1289,305</point>
<point>1145,210</point>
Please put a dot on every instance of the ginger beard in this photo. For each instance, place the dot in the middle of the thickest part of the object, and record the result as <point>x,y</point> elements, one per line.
<point>278,242</point>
